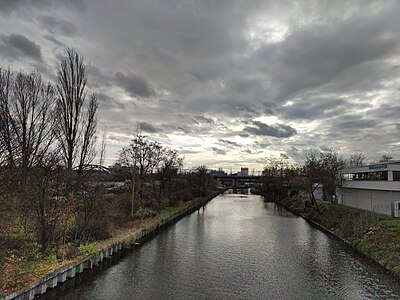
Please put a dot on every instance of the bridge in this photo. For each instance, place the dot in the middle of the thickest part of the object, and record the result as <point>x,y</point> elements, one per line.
<point>238,181</point>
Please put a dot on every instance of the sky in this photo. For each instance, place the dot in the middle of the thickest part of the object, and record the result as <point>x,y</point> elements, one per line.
<point>227,83</point>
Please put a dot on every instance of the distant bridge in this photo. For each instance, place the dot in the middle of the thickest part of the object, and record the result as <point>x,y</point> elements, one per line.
<point>238,181</point>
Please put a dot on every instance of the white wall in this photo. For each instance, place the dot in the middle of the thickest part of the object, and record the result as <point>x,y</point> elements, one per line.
<point>372,185</point>
<point>372,200</point>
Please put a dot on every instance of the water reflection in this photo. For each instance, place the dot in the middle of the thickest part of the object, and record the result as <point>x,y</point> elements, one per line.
<point>238,248</point>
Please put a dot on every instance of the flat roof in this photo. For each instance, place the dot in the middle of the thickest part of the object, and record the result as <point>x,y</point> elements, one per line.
<point>376,167</point>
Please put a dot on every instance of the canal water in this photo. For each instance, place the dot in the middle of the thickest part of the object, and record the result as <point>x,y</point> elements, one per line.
<point>238,247</point>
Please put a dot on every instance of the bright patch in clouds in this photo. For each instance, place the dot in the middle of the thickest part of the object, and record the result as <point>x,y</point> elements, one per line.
<point>227,83</point>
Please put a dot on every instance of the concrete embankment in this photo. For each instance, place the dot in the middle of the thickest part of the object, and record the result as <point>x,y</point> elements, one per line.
<point>374,236</point>
<point>113,246</point>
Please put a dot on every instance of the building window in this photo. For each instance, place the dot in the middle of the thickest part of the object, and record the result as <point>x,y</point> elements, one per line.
<point>369,176</point>
<point>396,175</point>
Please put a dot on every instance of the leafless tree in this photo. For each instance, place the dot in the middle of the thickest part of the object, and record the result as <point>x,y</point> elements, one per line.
<point>140,157</point>
<point>26,118</point>
<point>5,122</point>
<point>386,158</point>
<point>321,168</point>
<point>76,128</point>
<point>356,160</point>
<point>152,168</point>
<point>170,165</point>
<point>103,148</point>
<point>26,133</point>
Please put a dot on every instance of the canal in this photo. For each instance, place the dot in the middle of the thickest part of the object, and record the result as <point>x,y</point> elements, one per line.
<point>238,247</point>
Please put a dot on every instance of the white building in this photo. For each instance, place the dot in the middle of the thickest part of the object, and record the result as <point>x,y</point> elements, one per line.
<point>374,188</point>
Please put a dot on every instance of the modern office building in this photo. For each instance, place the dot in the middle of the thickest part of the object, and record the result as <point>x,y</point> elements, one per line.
<point>373,187</point>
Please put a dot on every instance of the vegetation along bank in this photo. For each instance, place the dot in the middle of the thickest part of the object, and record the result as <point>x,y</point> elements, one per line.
<point>93,254</point>
<point>374,235</point>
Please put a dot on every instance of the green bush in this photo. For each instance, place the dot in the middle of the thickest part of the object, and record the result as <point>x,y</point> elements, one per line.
<point>87,249</point>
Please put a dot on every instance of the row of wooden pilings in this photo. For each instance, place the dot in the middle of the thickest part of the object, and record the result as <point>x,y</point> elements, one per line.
<point>62,274</point>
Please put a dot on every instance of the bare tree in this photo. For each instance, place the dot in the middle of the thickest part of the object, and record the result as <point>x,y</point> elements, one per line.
<point>152,169</point>
<point>386,158</point>
<point>321,168</point>
<point>170,165</point>
<point>26,119</point>
<point>76,128</point>
<point>142,158</point>
<point>313,173</point>
<point>26,133</point>
<point>103,148</point>
<point>356,160</point>
<point>6,148</point>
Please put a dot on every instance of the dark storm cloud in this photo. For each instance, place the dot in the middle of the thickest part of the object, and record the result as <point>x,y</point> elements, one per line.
<point>229,143</point>
<point>385,111</point>
<point>262,144</point>
<point>16,46</point>
<point>201,119</point>
<point>218,151</point>
<point>276,130</point>
<point>106,103</point>
<point>56,25</point>
<point>184,129</point>
<point>10,5</point>
<point>354,125</point>
<point>54,40</point>
<point>134,85</point>
<point>150,128</point>
<point>7,6</point>
<point>314,108</point>
<point>97,78</point>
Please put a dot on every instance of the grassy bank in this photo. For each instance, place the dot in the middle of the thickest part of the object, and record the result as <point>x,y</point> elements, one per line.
<point>29,265</point>
<point>374,235</point>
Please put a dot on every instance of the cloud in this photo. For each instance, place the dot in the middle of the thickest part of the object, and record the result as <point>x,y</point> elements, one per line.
<point>107,103</point>
<point>314,108</point>
<point>276,130</point>
<point>8,6</point>
<point>218,151</point>
<point>229,143</point>
<point>325,72</point>
<point>201,119</point>
<point>58,26</point>
<point>147,127</point>
<point>54,40</point>
<point>315,54</point>
<point>134,85</point>
<point>16,46</point>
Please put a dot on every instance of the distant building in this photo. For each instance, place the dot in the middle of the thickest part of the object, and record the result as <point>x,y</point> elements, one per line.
<point>372,187</point>
<point>218,173</point>
<point>243,172</point>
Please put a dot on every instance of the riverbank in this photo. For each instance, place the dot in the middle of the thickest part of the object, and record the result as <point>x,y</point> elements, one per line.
<point>39,276</point>
<point>375,236</point>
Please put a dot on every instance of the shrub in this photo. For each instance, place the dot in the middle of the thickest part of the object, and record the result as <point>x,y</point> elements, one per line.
<point>144,213</point>
<point>87,249</point>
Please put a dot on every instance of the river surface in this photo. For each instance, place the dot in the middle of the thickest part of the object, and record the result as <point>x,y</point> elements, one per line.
<point>238,247</point>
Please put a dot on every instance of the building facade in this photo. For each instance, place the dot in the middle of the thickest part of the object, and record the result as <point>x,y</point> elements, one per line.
<point>373,187</point>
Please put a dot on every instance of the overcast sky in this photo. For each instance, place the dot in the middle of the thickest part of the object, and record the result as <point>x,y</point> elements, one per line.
<point>227,83</point>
